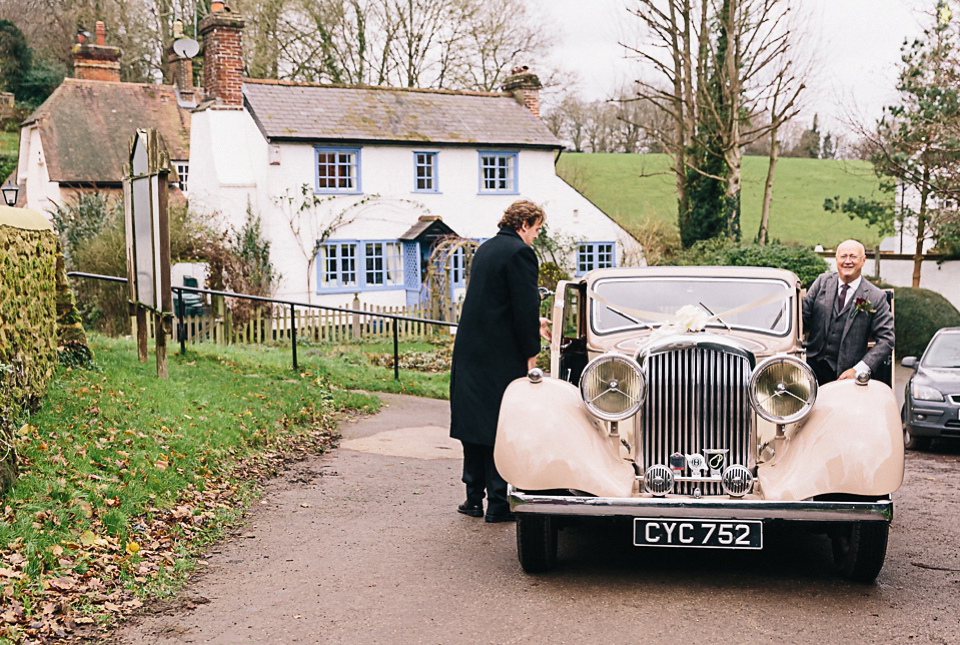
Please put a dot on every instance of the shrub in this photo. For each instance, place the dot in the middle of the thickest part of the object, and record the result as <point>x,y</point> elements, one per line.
<point>806,264</point>
<point>918,314</point>
<point>92,229</point>
<point>660,241</point>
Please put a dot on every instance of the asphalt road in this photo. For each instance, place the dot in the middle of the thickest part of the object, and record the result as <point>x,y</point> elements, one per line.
<point>364,546</point>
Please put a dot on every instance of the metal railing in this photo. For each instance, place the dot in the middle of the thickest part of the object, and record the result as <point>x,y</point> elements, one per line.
<point>288,303</point>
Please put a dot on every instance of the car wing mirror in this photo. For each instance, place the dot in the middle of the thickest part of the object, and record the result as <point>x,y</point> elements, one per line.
<point>909,361</point>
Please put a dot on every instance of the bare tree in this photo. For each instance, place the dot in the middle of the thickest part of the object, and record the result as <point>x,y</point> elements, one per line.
<point>781,97</point>
<point>729,45</point>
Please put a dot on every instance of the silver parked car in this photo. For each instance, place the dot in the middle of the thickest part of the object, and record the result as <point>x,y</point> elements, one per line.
<point>679,397</point>
<point>931,402</point>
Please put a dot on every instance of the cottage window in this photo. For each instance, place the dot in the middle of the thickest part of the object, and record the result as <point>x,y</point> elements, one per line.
<point>384,264</point>
<point>359,266</point>
<point>425,172</point>
<point>183,170</point>
<point>337,265</point>
<point>498,172</point>
<point>594,255</point>
<point>338,170</point>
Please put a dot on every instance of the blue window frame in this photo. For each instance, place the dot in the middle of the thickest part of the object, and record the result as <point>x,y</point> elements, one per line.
<point>359,265</point>
<point>337,170</point>
<point>595,255</point>
<point>425,179</point>
<point>499,172</point>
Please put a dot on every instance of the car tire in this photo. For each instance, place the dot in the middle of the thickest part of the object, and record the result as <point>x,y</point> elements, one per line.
<point>536,542</point>
<point>910,440</point>
<point>859,549</point>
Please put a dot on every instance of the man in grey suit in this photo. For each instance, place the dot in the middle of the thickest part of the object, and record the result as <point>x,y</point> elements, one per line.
<point>841,311</point>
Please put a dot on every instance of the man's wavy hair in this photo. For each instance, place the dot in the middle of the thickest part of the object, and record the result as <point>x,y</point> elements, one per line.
<point>521,212</point>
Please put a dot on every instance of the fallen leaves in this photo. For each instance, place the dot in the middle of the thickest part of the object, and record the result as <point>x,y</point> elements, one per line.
<point>100,572</point>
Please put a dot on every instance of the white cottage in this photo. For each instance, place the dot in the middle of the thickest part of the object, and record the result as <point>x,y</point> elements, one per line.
<point>354,184</point>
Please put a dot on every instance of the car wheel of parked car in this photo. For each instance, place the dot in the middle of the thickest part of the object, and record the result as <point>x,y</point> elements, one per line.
<point>536,542</point>
<point>910,440</point>
<point>859,549</point>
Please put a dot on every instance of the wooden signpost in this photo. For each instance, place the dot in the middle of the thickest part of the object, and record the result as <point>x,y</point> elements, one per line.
<point>148,241</point>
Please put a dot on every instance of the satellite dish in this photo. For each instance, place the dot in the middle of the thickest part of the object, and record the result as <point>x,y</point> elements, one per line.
<point>186,47</point>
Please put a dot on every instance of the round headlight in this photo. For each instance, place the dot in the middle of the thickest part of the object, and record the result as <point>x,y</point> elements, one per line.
<point>613,387</point>
<point>783,389</point>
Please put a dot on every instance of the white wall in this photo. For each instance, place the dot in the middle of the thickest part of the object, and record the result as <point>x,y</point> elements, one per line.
<point>42,193</point>
<point>230,161</point>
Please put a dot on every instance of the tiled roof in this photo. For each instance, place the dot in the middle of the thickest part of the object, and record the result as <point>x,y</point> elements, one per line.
<point>337,113</point>
<point>86,127</point>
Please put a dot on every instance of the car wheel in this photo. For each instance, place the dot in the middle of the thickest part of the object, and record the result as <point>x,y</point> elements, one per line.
<point>859,549</point>
<point>910,440</point>
<point>536,542</point>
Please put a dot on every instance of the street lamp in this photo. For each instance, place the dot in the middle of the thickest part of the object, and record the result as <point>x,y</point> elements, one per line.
<point>10,191</point>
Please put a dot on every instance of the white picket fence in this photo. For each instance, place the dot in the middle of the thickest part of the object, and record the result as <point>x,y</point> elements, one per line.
<point>318,325</point>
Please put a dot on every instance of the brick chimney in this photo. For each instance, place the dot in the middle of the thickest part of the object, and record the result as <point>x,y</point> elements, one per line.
<point>96,62</point>
<point>222,55</point>
<point>524,86</point>
<point>180,69</point>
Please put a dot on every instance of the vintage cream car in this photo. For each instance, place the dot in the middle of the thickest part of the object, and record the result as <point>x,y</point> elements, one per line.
<point>679,397</point>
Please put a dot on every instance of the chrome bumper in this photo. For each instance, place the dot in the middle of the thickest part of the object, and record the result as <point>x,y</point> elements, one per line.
<point>725,508</point>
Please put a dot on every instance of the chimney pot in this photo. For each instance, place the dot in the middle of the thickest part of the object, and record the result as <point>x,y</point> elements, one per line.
<point>95,62</point>
<point>524,86</point>
<point>216,6</point>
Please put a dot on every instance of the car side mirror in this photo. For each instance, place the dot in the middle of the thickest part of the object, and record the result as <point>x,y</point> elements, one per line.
<point>909,361</point>
<point>544,293</point>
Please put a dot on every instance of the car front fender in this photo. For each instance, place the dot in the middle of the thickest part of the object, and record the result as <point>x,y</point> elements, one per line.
<point>851,442</point>
<point>547,440</point>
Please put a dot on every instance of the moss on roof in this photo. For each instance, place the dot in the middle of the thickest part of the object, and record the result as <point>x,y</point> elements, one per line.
<point>86,127</point>
<point>334,112</point>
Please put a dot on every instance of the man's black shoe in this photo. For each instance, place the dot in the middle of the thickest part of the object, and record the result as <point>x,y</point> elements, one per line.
<point>500,517</point>
<point>471,509</point>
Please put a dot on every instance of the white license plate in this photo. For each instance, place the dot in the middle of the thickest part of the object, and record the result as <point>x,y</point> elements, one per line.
<point>712,534</point>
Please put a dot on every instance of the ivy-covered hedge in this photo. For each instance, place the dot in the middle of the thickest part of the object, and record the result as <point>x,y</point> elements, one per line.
<point>28,322</point>
<point>806,264</point>
<point>918,314</point>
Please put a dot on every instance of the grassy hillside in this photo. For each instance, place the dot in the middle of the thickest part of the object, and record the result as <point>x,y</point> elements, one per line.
<point>633,188</point>
<point>9,148</point>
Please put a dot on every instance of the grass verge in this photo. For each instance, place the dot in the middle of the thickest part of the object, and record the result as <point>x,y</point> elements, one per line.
<point>125,476</point>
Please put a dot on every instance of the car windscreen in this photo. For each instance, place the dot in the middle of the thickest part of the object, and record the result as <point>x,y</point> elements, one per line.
<point>749,304</point>
<point>944,351</point>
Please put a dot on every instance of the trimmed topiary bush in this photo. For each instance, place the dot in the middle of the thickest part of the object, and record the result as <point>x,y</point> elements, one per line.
<point>806,264</point>
<point>918,314</point>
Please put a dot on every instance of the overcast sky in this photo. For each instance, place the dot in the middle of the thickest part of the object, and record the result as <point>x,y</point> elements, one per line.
<point>858,50</point>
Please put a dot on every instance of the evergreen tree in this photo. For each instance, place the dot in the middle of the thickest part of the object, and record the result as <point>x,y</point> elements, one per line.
<point>14,57</point>
<point>809,145</point>
<point>918,146</point>
<point>706,213</point>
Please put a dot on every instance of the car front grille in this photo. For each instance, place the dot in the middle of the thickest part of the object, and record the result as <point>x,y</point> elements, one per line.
<point>696,400</point>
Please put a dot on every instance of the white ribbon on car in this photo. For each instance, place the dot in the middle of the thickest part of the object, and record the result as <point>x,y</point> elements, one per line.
<point>688,318</point>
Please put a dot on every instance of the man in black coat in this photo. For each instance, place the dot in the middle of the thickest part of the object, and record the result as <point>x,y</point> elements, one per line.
<point>498,339</point>
<point>841,311</point>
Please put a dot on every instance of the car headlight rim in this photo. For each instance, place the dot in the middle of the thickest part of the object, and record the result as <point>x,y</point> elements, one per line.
<point>613,387</point>
<point>921,392</point>
<point>790,381</point>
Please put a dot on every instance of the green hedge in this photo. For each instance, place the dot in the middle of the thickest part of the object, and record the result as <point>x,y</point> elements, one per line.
<point>28,329</point>
<point>806,264</point>
<point>918,314</point>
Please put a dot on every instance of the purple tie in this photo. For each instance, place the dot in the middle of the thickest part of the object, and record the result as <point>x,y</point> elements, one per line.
<point>842,296</point>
